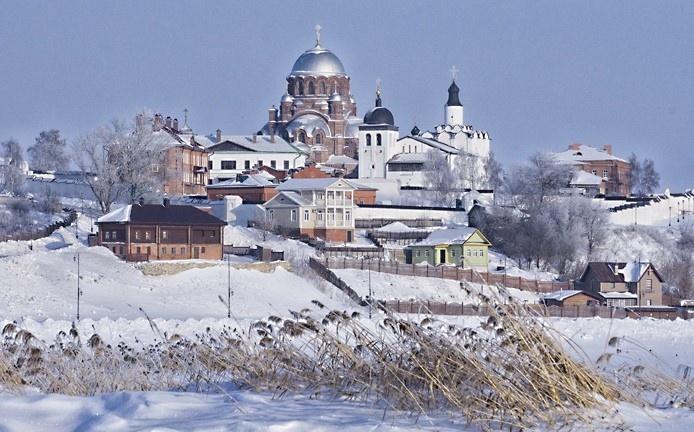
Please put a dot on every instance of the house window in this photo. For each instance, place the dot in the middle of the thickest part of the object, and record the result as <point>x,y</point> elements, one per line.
<point>320,195</point>
<point>183,251</point>
<point>293,216</point>
<point>209,165</point>
<point>426,253</point>
<point>306,215</point>
<point>419,252</point>
<point>311,88</point>
<point>247,165</point>
<point>273,164</point>
<point>137,235</point>
<point>378,139</point>
<point>453,253</point>
<point>649,285</point>
<point>301,137</point>
<point>163,251</point>
<point>260,163</point>
<point>301,88</point>
<point>322,88</point>
<point>202,249</point>
<point>229,165</point>
<point>286,165</point>
<point>319,139</point>
<point>604,173</point>
<point>107,235</point>
<point>164,235</point>
<point>148,235</point>
<point>271,214</point>
<point>138,250</point>
<point>173,251</point>
<point>348,215</point>
<point>331,195</point>
<point>320,215</point>
<point>368,139</point>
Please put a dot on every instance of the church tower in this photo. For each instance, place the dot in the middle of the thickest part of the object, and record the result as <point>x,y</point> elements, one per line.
<point>454,109</point>
<point>378,138</point>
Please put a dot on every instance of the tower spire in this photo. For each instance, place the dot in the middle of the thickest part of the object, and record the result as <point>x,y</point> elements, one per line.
<point>378,92</point>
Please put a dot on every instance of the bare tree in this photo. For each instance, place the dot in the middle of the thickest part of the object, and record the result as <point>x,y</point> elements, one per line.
<point>48,152</point>
<point>643,178</point>
<point>121,161</point>
<point>468,171</point>
<point>531,184</point>
<point>11,167</point>
<point>438,176</point>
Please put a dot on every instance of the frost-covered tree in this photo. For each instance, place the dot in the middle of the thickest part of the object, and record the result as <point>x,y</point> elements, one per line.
<point>467,169</point>
<point>530,185</point>
<point>494,172</point>
<point>11,162</point>
<point>439,178</point>
<point>48,152</point>
<point>643,178</point>
<point>121,161</point>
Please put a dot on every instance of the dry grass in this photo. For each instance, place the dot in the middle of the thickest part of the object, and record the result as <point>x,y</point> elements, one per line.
<point>510,372</point>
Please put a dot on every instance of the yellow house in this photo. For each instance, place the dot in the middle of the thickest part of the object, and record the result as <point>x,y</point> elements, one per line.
<point>466,247</point>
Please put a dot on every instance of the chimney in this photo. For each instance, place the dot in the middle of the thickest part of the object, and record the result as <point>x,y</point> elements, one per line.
<point>575,146</point>
<point>168,121</point>
<point>272,114</point>
<point>157,123</point>
<point>166,202</point>
<point>141,201</point>
<point>608,149</point>
<point>219,135</point>
<point>255,138</point>
<point>272,138</point>
<point>175,124</point>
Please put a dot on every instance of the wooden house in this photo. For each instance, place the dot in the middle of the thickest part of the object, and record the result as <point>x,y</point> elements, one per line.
<point>640,279</point>
<point>466,247</point>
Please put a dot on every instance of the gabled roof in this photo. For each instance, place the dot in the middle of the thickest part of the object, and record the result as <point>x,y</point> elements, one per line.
<point>408,158</point>
<point>312,184</point>
<point>287,198</point>
<point>160,214</point>
<point>583,153</point>
<point>563,295</point>
<point>619,272</point>
<point>449,236</point>
<point>252,180</point>
<point>581,177</point>
<point>245,144</point>
<point>432,143</point>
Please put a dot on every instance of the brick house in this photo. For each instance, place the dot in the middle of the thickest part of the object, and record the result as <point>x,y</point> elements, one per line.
<point>140,232</point>
<point>623,284</point>
<point>602,163</point>
<point>316,208</point>
<point>252,188</point>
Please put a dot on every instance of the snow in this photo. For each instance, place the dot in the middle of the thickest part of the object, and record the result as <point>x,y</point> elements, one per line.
<point>633,271</point>
<point>581,177</point>
<point>560,295</point>
<point>497,259</point>
<point>584,153</point>
<point>619,295</point>
<point>387,286</point>
<point>396,227</point>
<point>119,215</point>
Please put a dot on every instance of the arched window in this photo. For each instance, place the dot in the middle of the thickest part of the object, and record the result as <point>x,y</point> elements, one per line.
<point>289,88</point>
<point>319,139</point>
<point>322,88</point>
<point>311,88</point>
<point>301,137</point>
<point>368,139</point>
<point>301,88</point>
<point>378,139</point>
<point>296,88</point>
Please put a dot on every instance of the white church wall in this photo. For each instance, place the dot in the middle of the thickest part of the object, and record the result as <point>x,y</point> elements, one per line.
<point>447,216</point>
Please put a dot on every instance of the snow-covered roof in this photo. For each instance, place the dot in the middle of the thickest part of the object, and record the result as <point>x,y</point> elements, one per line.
<point>583,153</point>
<point>293,197</point>
<point>619,295</point>
<point>119,215</point>
<point>255,144</point>
<point>633,271</point>
<point>560,295</point>
<point>306,184</point>
<point>341,160</point>
<point>408,158</point>
<point>252,180</point>
<point>432,143</point>
<point>447,236</point>
<point>581,177</point>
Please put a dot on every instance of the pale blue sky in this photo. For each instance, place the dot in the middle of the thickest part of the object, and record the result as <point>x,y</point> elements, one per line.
<point>536,75</point>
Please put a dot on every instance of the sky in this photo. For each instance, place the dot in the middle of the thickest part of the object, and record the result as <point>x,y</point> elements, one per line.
<point>536,75</point>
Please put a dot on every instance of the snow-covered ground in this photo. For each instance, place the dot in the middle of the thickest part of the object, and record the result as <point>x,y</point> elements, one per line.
<point>38,288</point>
<point>387,286</point>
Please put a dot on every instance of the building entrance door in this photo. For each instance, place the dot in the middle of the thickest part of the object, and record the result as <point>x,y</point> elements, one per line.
<point>196,252</point>
<point>442,256</point>
<point>349,236</point>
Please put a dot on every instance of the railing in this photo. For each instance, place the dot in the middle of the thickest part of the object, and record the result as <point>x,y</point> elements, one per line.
<point>135,257</point>
<point>446,272</point>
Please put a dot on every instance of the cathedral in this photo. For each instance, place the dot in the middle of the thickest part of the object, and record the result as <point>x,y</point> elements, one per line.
<point>317,110</point>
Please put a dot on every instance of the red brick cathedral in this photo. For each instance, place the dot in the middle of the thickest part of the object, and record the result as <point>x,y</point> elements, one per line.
<point>318,109</point>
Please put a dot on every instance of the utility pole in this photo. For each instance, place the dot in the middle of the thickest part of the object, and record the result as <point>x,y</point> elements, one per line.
<point>79,292</point>
<point>228,287</point>
<point>371,300</point>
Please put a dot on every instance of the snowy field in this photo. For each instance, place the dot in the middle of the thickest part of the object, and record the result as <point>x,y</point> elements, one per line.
<point>38,288</point>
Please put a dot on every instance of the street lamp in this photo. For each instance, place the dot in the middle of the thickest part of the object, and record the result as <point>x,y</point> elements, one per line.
<point>79,292</point>
<point>669,221</point>
<point>678,212</point>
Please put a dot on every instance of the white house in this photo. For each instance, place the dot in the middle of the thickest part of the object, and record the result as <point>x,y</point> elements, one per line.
<point>316,207</point>
<point>231,155</point>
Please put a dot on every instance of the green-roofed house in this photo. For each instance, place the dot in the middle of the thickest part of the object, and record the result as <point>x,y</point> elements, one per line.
<point>466,247</point>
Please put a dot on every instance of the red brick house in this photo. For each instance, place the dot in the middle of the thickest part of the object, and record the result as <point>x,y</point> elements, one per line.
<point>141,232</point>
<point>252,188</point>
<point>602,163</point>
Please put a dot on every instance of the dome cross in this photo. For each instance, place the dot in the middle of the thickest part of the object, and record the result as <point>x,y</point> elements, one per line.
<point>454,72</point>
<point>318,29</point>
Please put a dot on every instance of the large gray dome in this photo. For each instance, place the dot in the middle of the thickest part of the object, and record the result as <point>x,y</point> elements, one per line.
<point>318,61</point>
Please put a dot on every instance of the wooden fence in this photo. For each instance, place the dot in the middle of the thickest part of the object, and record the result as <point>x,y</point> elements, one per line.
<point>446,272</point>
<point>334,279</point>
<point>42,232</point>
